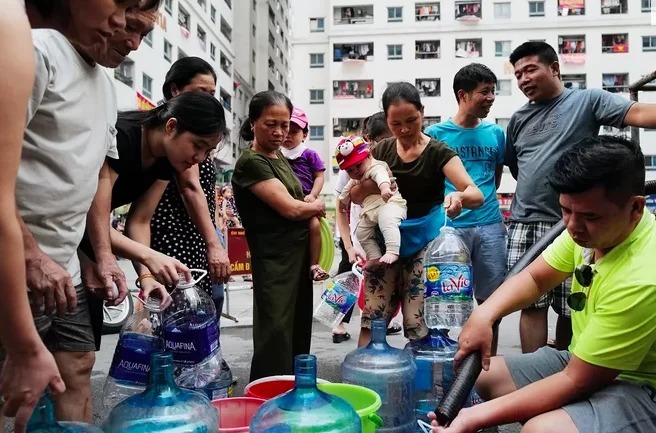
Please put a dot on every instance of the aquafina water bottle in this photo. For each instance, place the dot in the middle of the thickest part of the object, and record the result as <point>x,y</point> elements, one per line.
<point>128,373</point>
<point>339,297</point>
<point>449,294</point>
<point>191,334</point>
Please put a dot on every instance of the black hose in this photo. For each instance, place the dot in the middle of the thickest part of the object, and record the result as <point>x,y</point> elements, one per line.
<point>471,367</point>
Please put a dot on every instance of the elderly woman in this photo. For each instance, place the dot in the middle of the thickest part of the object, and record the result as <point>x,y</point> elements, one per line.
<point>269,198</point>
<point>421,165</point>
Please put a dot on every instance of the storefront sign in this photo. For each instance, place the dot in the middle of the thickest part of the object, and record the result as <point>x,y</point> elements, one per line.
<point>238,252</point>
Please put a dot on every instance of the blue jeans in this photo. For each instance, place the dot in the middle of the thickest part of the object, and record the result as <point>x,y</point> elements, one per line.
<point>487,247</point>
<point>218,289</point>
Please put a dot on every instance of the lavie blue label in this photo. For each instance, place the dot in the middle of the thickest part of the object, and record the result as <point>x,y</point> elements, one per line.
<point>338,297</point>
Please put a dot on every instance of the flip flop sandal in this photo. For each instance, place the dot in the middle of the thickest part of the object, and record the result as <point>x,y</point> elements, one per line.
<point>318,274</point>
<point>394,329</point>
<point>340,338</point>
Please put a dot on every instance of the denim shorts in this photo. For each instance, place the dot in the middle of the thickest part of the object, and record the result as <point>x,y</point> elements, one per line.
<point>487,247</point>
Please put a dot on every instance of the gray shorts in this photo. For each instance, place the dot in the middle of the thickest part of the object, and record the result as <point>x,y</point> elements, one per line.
<point>71,332</point>
<point>623,406</point>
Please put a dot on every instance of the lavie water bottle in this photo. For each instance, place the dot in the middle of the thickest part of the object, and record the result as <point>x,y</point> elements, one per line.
<point>191,334</point>
<point>339,297</point>
<point>128,374</point>
<point>449,295</point>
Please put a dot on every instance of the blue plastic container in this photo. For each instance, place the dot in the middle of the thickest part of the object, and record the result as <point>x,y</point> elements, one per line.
<point>43,420</point>
<point>388,371</point>
<point>305,408</point>
<point>163,407</point>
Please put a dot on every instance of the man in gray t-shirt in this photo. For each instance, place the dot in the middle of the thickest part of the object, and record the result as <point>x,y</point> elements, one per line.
<point>538,133</point>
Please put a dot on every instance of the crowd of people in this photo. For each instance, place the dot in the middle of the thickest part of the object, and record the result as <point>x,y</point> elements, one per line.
<point>58,242</point>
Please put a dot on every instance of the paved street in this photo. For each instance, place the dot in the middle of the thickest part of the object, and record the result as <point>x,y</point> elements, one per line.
<point>236,343</point>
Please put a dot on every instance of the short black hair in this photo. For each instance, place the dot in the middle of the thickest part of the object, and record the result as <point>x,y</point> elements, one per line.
<point>375,126</point>
<point>613,162</point>
<point>543,50</point>
<point>470,76</point>
<point>183,71</point>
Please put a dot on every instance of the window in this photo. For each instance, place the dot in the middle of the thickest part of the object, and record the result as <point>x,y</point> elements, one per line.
<point>345,127</point>
<point>503,122</point>
<point>253,56</point>
<point>394,52</point>
<point>272,40</point>
<point>617,43</point>
<point>427,50</point>
<point>430,120</point>
<point>612,7</point>
<point>168,50</point>
<point>316,133</point>
<point>213,14</point>
<point>254,30</point>
<point>649,43</point>
<point>650,162</point>
<point>574,81</point>
<point>349,89</point>
<point>394,14</point>
<point>316,60</point>
<point>646,5</point>
<point>147,86</point>
<point>125,72</point>
<point>615,83</point>
<point>183,18</point>
<point>468,48</point>
<point>363,14</point>
<point>202,4</point>
<point>148,39</point>
<point>572,48</point>
<point>225,99</point>
<point>536,9</point>
<point>202,38</point>
<point>226,64</point>
<point>502,48</point>
<point>253,82</point>
<point>622,132</point>
<point>254,4</point>
<point>428,87</point>
<point>272,15</point>
<point>427,11</point>
<point>226,30</point>
<point>212,51</point>
<point>168,6</point>
<point>229,3</point>
<point>569,7</point>
<point>468,10</point>
<point>353,52</point>
<point>502,10</point>
<point>316,96</point>
<point>317,24</point>
<point>181,54</point>
<point>503,88</point>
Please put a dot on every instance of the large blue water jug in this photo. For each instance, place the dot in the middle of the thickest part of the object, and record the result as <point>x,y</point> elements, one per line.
<point>305,408</point>
<point>388,371</point>
<point>434,356</point>
<point>43,420</point>
<point>163,407</point>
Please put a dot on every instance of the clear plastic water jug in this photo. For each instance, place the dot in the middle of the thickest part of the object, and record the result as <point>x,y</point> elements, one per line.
<point>191,334</point>
<point>43,420</point>
<point>163,407</point>
<point>339,297</point>
<point>449,294</point>
<point>305,408</point>
<point>128,373</point>
<point>388,371</point>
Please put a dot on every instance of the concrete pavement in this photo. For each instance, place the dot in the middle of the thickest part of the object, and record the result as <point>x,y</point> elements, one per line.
<point>237,346</point>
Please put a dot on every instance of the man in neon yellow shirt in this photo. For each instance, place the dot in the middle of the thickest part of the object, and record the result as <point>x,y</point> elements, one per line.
<point>606,381</point>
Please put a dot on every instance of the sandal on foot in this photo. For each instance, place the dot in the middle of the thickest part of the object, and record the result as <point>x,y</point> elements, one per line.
<point>318,274</point>
<point>394,329</point>
<point>340,338</point>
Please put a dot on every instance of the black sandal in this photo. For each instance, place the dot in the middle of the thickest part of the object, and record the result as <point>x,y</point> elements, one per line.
<point>394,329</point>
<point>340,338</point>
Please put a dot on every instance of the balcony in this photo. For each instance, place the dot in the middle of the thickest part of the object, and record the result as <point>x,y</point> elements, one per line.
<point>226,65</point>
<point>615,83</point>
<point>617,43</point>
<point>225,99</point>
<point>468,10</point>
<point>427,50</point>
<point>430,120</point>
<point>613,7</point>
<point>469,48</point>
<point>572,49</point>
<point>428,87</point>
<point>571,7</point>
<point>427,11</point>
<point>574,81</point>
<point>352,89</point>
<point>354,14</point>
<point>125,72</point>
<point>358,52</point>
<point>346,127</point>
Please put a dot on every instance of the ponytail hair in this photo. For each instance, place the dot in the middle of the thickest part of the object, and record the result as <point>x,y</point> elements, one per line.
<point>196,112</point>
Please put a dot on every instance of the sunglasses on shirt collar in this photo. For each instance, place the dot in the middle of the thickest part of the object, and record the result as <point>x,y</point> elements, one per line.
<point>584,275</point>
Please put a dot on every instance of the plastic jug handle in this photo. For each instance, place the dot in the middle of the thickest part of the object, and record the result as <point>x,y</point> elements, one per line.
<point>375,419</point>
<point>358,270</point>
